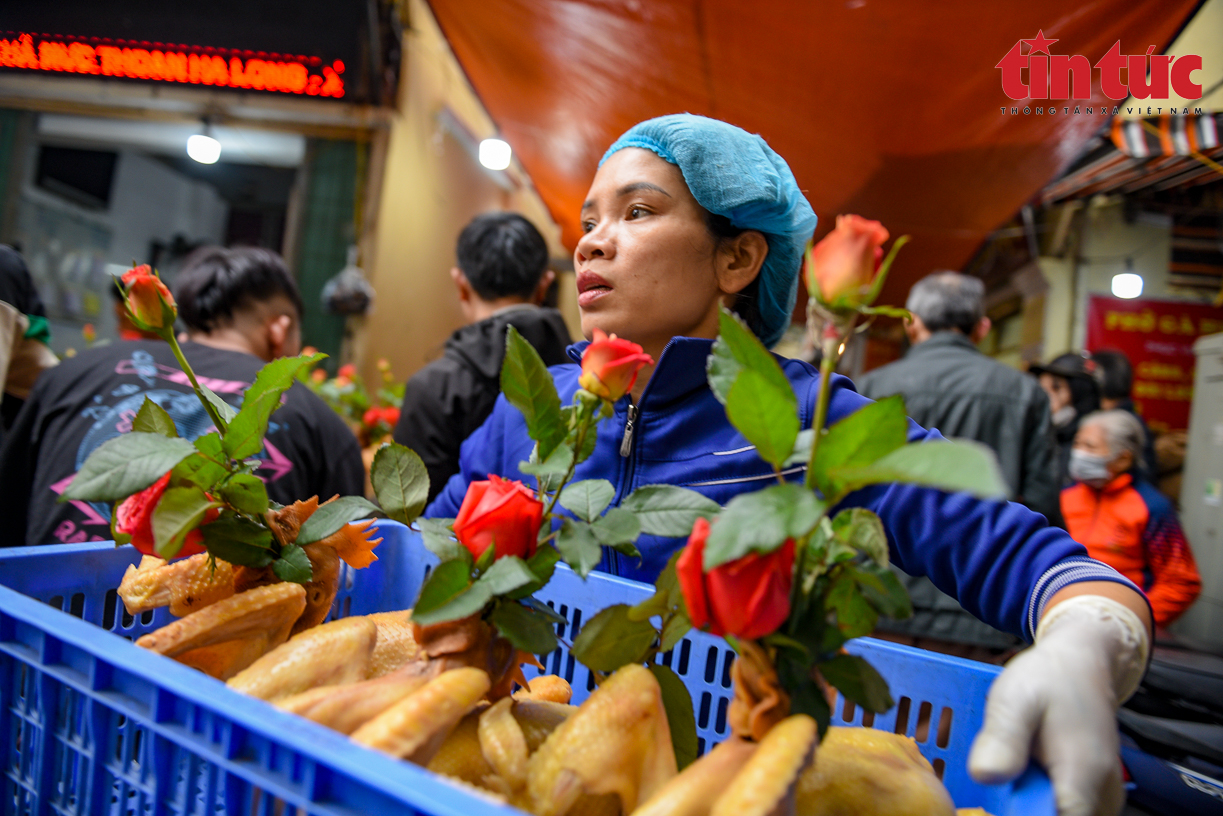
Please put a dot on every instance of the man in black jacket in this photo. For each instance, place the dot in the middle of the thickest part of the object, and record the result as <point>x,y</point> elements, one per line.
<point>241,309</point>
<point>949,385</point>
<point>502,278</point>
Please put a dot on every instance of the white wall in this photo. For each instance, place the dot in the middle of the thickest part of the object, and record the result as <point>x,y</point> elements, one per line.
<point>150,201</point>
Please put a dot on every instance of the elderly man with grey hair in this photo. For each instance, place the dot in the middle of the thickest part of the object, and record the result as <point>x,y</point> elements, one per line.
<point>949,385</point>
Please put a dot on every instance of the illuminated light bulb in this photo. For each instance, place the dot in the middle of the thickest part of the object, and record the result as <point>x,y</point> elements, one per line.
<point>495,154</point>
<point>204,149</point>
<point>1127,285</point>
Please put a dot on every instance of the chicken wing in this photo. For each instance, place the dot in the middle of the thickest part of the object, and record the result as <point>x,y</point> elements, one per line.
<point>335,653</point>
<point>267,612</point>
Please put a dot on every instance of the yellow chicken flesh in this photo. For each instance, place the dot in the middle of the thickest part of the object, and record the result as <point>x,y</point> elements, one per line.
<point>395,646</point>
<point>185,586</point>
<point>345,708</point>
<point>618,742</point>
<point>335,653</point>
<point>267,612</point>
<point>701,784</point>
<point>415,727</point>
<point>767,779</point>
<point>866,772</point>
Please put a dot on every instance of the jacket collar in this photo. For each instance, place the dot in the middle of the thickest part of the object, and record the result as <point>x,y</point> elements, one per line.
<point>680,370</point>
<point>1118,484</point>
<point>942,339</point>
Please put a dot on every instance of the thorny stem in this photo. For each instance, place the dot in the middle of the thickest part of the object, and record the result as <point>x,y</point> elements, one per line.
<point>186,367</point>
<point>583,422</point>
<point>832,344</point>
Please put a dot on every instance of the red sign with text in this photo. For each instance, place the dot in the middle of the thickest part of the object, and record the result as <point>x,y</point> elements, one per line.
<point>1158,337</point>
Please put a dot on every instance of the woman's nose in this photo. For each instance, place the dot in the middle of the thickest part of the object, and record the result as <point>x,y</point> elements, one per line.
<point>594,244</point>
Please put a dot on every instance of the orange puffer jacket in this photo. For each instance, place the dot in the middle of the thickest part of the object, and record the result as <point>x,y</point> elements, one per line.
<point>1133,528</point>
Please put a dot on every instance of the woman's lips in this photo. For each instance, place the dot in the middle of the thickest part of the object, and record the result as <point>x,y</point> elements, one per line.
<point>591,287</point>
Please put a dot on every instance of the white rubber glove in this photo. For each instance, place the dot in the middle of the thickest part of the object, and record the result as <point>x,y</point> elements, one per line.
<point>1058,702</point>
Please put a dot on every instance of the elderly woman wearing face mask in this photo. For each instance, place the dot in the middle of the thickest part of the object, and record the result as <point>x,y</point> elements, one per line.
<point>1122,519</point>
<point>687,214</point>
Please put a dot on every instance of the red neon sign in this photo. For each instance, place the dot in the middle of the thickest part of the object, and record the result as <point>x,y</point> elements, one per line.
<point>195,67</point>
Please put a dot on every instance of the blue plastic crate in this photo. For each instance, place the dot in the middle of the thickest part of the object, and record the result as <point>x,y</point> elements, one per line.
<point>91,725</point>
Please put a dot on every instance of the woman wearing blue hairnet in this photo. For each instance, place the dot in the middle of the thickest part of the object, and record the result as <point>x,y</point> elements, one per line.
<point>687,214</point>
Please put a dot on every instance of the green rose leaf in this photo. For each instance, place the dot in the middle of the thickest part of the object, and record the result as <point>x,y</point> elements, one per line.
<point>741,345</point>
<point>802,447</point>
<point>179,511</point>
<point>883,589</point>
<point>293,565</point>
<point>526,629</point>
<point>673,631</point>
<point>766,416</point>
<point>244,437</point>
<point>438,538</point>
<point>485,559</point>
<point>210,445</point>
<point>125,465</point>
<point>579,546</point>
<point>957,465</point>
<point>806,697</point>
<point>556,465</point>
<point>855,616</point>
<point>200,470</point>
<point>223,408</point>
<point>444,583</point>
<point>616,528</point>
<point>680,714</point>
<point>503,577</point>
<point>866,435</point>
<point>541,565</point>
<point>545,610</point>
<point>861,529</point>
<point>328,519</point>
<point>528,386</point>
<point>667,594</point>
<point>666,510</point>
<point>239,541</point>
<point>588,498</point>
<point>761,522</point>
<point>612,639</point>
<point>400,481</point>
<point>858,681</point>
<point>246,494</point>
<point>569,416</point>
<point>152,418</point>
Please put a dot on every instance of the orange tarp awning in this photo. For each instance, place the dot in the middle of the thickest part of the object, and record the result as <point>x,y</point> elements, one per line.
<point>885,109</point>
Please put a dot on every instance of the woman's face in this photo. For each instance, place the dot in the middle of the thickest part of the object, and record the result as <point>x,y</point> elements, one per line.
<point>646,263</point>
<point>1092,439</point>
<point>1058,389</point>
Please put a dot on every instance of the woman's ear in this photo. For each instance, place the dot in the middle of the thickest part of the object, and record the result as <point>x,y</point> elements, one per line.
<point>739,260</point>
<point>278,329</point>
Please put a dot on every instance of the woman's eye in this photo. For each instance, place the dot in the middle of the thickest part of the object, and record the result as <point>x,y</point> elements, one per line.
<point>636,212</point>
<point>587,226</point>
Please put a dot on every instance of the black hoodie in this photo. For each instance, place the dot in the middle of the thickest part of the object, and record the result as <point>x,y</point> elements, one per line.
<point>449,398</point>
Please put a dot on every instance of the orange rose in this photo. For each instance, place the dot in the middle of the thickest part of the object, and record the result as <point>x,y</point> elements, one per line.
<point>844,263</point>
<point>134,517</point>
<point>347,371</point>
<point>502,513</point>
<point>148,301</point>
<point>748,597</point>
<point>610,366</point>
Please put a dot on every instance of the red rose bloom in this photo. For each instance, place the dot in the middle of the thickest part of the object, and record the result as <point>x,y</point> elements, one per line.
<point>390,415</point>
<point>610,366</point>
<point>347,371</point>
<point>500,512</point>
<point>134,517</point>
<point>748,597</point>
<point>148,301</point>
<point>844,263</point>
<point>370,417</point>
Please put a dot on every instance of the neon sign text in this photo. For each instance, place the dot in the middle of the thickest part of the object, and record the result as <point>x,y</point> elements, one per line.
<point>165,65</point>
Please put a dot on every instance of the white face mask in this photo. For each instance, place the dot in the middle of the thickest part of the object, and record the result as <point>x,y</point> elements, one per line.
<point>1064,416</point>
<point>1089,468</point>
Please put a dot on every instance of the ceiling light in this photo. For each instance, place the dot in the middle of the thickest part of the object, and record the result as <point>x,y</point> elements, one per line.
<point>1127,285</point>
<point>495,154</point>
<point>203,148</point>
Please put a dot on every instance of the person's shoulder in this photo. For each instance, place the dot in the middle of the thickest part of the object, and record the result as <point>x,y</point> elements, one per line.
<point>1158,505</point>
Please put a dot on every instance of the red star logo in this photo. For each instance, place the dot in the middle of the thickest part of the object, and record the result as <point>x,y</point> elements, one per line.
<point>1039,43</point>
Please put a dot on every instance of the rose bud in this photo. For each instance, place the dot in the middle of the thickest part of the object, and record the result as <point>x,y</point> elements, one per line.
<point>499,512</point>
<point>148,301</point>
<point>370,417</point>
<point>610,366</point>
<point>844,263</point>
<point>318,375</point>
<point>748,597</point>
<point>390,416</point>
<point>134,517</point>
<point>347,371</point>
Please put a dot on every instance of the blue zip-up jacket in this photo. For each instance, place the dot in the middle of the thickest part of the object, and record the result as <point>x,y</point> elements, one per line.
<point>999,559</point>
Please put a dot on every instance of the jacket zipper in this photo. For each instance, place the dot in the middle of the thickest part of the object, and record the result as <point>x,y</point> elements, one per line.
<point>626,444</point>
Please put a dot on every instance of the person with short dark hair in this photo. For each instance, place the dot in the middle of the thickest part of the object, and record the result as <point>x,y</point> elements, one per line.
<point>502,277</point>
<point>242,309</point>
<point>948,384</point>
<point>1117,383</point>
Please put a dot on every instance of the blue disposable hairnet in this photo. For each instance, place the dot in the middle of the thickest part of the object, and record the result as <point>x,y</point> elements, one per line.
<point>736,174</point>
